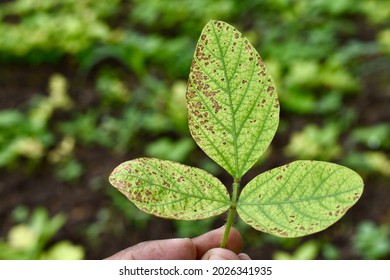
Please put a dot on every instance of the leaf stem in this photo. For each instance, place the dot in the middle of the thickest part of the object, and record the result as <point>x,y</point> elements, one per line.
<point>232,212</point>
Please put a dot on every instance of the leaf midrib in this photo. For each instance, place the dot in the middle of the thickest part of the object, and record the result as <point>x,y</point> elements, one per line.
<point>175,190</point>
<point>292,201</point>
<point>229,93</point>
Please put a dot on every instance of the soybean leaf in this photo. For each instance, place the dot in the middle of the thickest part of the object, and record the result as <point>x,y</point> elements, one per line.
<point>170,190</point>
<point>299,198</point>
<point>232,105</point>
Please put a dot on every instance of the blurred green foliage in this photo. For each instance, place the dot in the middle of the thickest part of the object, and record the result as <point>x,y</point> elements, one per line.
<point>27,134</point>
<point>37,23</point>
<point>306,251</point>
<point>372,241</point>
<point>315,143</point>
<point>29,239</point>
<point>124,66</point>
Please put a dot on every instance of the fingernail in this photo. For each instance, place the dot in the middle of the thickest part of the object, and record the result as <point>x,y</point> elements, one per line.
<point>243,256</point>
<point>214,257</point>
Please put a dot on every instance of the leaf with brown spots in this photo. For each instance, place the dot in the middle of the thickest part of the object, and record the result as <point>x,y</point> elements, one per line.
<point>233,109</point>
<point>299,198</point>
<point>170,190</point>
<point>233,114</point>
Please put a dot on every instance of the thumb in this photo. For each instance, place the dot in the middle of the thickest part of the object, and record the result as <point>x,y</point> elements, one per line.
<point>220,254</point>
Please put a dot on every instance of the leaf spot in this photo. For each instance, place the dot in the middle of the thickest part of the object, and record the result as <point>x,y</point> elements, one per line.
<point>166,184</point>
<point>216,105</point>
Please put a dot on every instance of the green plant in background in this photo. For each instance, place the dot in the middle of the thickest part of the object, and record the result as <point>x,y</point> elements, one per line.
<point>29,239</point>
<point>315,143</point>
<point>233,113</point>
<point>112,90</point>
<point>27,135</point>
<point>37,25</point>
<point>165,148</point>
<point>307,251</point>
<point>372,241</point>
<point>375,160</point>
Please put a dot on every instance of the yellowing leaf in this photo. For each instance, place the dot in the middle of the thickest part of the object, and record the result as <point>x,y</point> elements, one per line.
<point>233,110</point>
<point>170,190</point>
<point>299,198</point>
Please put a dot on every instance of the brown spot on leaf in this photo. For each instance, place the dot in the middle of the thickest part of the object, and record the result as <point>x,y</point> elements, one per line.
<point>211,129</point>
<point>138,197</point>
<point>198,105</point>
<point>216,105</point>
<point>210,93</point>
<point>191,94</point>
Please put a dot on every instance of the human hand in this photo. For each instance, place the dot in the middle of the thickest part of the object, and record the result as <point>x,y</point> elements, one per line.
<point>204,247</point>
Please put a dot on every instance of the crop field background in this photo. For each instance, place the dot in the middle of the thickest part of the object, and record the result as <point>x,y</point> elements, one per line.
<point>86,85</point>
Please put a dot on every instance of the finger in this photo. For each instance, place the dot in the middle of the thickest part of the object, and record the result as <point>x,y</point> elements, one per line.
<point>220,254</point>
<point>169,249</point>
<point>243,256</point>
<point>212,239</point>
